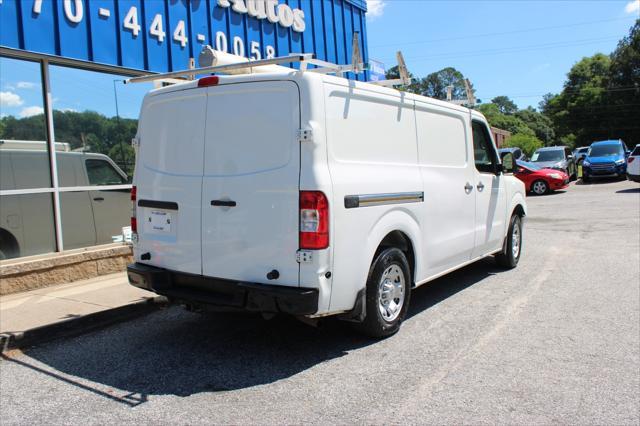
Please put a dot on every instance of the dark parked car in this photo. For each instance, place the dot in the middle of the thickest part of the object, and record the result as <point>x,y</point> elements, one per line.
<point>579,153</point>
<point>556,157</point>
<point>517,153</point>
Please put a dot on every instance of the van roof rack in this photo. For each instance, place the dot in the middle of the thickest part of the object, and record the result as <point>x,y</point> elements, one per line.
<point>232,64</point>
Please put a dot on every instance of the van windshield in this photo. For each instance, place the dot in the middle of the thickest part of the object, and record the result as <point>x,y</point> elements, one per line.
<point>554,155</point>
<point>605,150</point>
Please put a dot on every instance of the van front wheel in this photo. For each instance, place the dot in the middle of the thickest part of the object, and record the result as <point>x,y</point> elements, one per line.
<point>510,254</point>
<point>388,294</point>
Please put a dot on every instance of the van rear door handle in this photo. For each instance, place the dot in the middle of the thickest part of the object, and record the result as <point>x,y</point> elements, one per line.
<point>98,199</point>
<point>223,203</point>
<point>468,188</point>
<point>480,186</point>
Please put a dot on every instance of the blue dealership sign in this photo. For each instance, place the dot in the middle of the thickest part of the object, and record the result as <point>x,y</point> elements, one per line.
<point>162,35</point>
<point>377,71</point>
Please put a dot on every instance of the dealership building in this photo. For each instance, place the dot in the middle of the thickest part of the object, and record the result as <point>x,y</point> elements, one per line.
<point>67,119</point>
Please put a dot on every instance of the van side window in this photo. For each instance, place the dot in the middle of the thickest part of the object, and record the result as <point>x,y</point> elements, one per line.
<point>483,151</point>
<point>100,172</point>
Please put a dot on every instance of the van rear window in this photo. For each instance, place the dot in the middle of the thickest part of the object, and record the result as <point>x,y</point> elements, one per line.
<point>636,151</point>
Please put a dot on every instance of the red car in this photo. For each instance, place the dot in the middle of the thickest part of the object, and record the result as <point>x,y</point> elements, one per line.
<point>539,180</point>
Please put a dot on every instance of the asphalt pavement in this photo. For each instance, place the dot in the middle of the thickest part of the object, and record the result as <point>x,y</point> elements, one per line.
<point>556,340</point>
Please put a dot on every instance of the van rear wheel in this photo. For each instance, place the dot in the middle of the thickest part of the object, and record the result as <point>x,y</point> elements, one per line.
<point>388,294</point>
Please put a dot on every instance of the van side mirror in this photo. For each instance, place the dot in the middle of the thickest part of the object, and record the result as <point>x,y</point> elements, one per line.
<point>508,165</point>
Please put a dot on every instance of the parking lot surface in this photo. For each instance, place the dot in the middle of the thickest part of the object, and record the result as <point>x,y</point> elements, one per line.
<point>556,340</point>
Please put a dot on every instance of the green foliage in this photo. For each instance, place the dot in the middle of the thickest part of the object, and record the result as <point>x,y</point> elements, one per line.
<point>505,105</point>
<point>541,125</point>
<point>435,84</point>
<point>87,131</point>
<point>28,129</point>
<point>125,156</point>
<point>510,123</point>
<point>601,96</point>
<point>414,87</point>
<point>569,140</point>
<point>527,143</point>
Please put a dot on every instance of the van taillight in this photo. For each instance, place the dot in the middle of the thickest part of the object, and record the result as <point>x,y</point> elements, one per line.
<point>314,220</point>
<point>208,81</point>
<point>630,160</point>
<point>134,221</point>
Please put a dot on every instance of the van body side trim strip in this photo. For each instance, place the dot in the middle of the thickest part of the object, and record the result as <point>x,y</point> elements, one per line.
<point>165,205</point>
<point>367,200</point>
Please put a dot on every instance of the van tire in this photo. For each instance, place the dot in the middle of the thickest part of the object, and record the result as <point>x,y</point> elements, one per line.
<point>508,258</point>
<point>8,246</point>
<point>390,267</point>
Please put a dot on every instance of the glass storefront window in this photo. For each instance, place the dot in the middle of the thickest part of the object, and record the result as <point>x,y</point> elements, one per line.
<point>27,225</point>
<point>26,220</point>
<point>96,116</point>
<point>24,156</point>
<point>94,119</point>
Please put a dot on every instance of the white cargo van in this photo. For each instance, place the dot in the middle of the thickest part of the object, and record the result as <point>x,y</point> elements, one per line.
<point>314,195</point>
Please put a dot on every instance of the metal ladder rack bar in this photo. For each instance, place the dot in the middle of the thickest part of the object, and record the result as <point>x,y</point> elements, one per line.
<point>296,57</point>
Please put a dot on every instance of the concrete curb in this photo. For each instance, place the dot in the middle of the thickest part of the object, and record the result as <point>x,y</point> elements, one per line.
<point>80,325</point>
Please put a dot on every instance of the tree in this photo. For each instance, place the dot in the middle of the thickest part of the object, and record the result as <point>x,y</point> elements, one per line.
<point>124,155</point>
<point>87,131</point>
<point>539,123</point>
<point>543,105</point>
<point>505,105</point>
<point>435,84</point>
<point>624,87</point>
<point>509,123</point>
<point>414,87</point>
<point>582,108</point>
<point>601,97</point>
<point>527,143</point>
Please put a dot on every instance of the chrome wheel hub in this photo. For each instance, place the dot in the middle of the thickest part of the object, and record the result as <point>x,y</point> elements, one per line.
<point>516,239</point>
<point>539,187</point>
<point>391,293</point>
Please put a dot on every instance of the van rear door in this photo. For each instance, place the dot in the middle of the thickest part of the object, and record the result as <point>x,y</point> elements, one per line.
<point>169,180</point>
<point>251,182</point>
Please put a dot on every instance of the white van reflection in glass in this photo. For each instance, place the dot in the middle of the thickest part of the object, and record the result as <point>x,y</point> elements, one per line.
<point>89,217</point>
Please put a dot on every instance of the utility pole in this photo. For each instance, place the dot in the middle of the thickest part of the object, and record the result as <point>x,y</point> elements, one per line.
<point>118,127</point>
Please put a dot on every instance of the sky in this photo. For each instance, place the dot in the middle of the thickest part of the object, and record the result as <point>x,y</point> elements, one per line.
<point>71,90</point>
<point>518,48</point>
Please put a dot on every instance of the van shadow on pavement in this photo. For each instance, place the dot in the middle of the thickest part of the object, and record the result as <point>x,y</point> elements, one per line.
<point>181,353</point>
<point>629,191</point>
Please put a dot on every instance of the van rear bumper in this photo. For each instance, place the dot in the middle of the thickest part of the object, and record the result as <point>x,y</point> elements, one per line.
<point>188,288</point>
